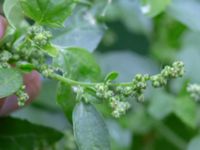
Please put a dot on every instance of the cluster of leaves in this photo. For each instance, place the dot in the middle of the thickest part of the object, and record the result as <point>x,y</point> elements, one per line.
<point>51,46</point>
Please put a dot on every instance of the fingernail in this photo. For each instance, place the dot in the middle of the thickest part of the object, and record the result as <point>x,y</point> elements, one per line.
<point>2,26</point>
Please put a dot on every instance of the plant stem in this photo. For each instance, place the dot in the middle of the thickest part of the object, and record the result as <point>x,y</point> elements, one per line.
<point>70,81</point>
<point>123,84</point>
<point>84,84</point>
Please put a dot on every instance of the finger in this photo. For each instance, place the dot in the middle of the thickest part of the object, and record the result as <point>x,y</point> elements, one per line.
<point>33,84</point>
<point>3,25</point>
<point>1,103</point>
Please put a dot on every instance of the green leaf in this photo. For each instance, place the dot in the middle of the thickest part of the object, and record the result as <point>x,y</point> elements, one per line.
<point>66,98</point>
<point>129,13</point>
<point>161,105</point>
<point>121,138</point>
<point>187,12</point>
<point>194,144</point>
<point>154,7</point>
<point>51,50</point>
<point>89,128</point>
<point>79,64</point>
<point>20,134</point>
<point>26,67</point>
<point>111,76</point>
<point>13,12</point>
<point>48,12</point>
<point>10,81</point>
<point>186,110</point>
<point>80,30</point>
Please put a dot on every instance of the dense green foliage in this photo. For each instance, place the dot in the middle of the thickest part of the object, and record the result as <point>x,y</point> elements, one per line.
<point>93,53</point>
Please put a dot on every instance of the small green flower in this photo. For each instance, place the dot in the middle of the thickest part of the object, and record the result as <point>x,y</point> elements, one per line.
<point>39,36</point>
<point>22,96</point>
<point>5,56</point>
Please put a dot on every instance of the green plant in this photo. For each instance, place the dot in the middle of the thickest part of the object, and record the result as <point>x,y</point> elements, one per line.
<point>31,43</point>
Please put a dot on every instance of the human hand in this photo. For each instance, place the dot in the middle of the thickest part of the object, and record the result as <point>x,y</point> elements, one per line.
<point>31,80</point>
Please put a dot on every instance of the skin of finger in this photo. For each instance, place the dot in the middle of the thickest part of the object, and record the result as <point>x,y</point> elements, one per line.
<point>3,25</point>
<point>33,85</point>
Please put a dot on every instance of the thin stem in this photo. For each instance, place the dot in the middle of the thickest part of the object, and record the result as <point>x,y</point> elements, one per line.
<point>84,84</point>
<point>123,84</point>
<point>70,81</point>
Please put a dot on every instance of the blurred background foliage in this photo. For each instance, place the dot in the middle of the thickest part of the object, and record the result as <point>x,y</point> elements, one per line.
<point>132,36</point>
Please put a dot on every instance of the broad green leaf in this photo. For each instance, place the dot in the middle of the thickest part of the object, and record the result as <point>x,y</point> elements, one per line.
<point>187,12</point>
<point>48,12</point>
<point>89,128</point>
<point>121,138</point>
<point>20,134</point>
<point>66,98</point>
<point>194,144</point>
<point>13,12</point>
<point>78,64</point>
<point>10,81</point>
<point>130,14</point>
<point>111,76</point>
<point>186,110</point>
<point>161,105</point>
<point>154,7</point>
<point>80,30</point>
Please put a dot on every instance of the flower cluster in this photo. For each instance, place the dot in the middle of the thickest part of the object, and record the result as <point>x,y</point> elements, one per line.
<point>5,56</point>
<point>139,85</point>
<point>117,94</point>
<point>103,91</point>
<point>30,49</point>
<point>108,92</point>
<point>22,96</point>
<point>119,107</point>
<point>46,70</point>
<point>39,36</point>
<point>174,71</point>
<point>194,90</point>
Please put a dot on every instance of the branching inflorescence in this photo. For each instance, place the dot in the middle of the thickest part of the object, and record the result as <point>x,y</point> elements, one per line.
<point>30,53</point>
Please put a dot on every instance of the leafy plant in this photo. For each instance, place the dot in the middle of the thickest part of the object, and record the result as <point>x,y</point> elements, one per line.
<point>56,39</point>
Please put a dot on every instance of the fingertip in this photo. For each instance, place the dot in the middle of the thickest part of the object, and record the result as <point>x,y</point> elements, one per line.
<point>33,85</point>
